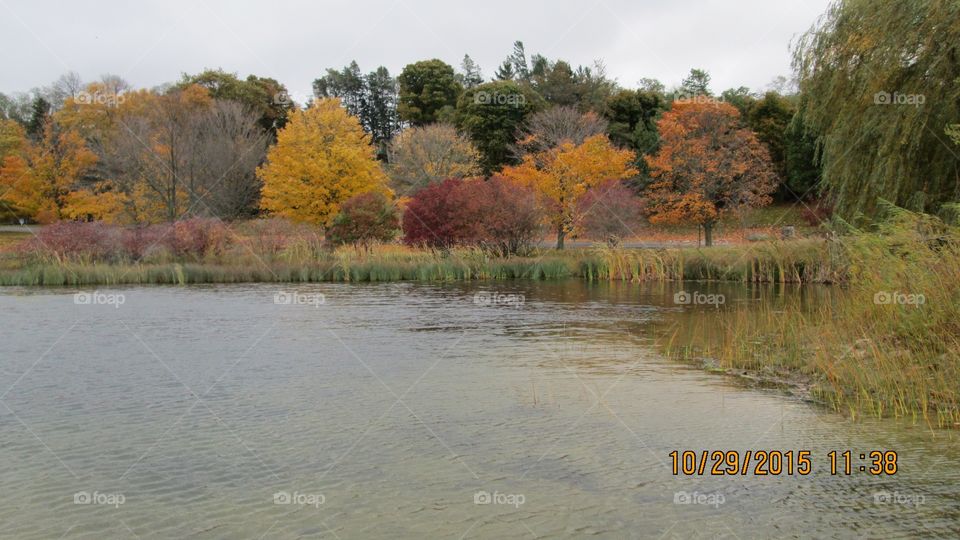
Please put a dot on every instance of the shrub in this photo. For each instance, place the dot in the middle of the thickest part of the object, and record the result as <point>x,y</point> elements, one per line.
<point>611,211</point>
<point>197,237</point>
<point>363,219</point>
<point>497,215</point>
<point>512,216</point>
<point>74,239</point>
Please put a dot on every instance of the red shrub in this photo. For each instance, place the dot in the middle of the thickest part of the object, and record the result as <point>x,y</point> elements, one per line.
<point>197,237</point>
<point>610,211</point>
<point>138,242</point>
<point>74,239</point>
<point>495,214</point>
<point>364,218</point>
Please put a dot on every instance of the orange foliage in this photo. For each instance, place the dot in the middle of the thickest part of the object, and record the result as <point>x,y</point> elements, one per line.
<point>708,164</point>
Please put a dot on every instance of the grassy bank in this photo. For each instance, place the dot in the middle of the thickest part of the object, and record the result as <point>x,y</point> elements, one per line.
<point>887,346</point>
<point>802,261</point>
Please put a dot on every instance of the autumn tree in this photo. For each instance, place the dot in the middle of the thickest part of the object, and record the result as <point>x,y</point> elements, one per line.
<point>708,164</point>
<point>550,128</point>
<point>321,158</point>
<point>421,156</point>
<point>427,88</point>
<point>564,173</point>
<point>43,182</point>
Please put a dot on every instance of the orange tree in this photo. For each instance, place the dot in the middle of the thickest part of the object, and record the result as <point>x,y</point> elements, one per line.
<point>564,173</point>
<point>322,158</point>
<point>708,164</point>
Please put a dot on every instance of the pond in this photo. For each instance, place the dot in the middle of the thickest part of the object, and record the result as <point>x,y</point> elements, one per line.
<point>491,410</point>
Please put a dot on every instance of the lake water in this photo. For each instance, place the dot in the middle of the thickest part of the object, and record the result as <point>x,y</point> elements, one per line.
<point>397,410</point>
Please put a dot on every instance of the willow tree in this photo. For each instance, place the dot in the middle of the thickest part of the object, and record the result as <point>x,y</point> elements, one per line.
<point>879,83</point>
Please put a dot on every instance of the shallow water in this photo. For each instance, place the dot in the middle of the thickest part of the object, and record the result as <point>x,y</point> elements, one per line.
<point>185,412</point>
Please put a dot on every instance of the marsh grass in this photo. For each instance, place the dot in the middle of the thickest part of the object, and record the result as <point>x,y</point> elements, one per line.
<point>864,352</point>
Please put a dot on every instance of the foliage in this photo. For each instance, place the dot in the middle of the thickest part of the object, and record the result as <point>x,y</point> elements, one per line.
<point>96,241</point>
<point>267,97</point>
<point>611,212</point>
<point>879,83</point>
<point>372,98</point>
<point>364,219</point>
<point>470,73</point>
<point>707,165</point>
<point>426,88</point>
<point>420,156</point>
<point>633,115</point>
<point>561,175</point>
<point>492,114</point>
<point>497,215</point>
<point>322,158</point>
<point>697,83</point>
<point>39,182</point>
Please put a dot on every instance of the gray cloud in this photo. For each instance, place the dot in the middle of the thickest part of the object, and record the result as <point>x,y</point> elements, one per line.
<point>148,43</point>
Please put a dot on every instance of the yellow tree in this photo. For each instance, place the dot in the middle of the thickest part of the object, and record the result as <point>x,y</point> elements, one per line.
<point>40,182</point>
<point>564,173</point>
<point>322,158</point>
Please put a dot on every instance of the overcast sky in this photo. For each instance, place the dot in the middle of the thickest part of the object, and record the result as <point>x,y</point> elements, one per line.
<point>740,42</point>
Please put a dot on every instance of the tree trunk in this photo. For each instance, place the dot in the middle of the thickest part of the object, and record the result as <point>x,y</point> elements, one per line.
<point>561,234</point>
<point>708,234</point>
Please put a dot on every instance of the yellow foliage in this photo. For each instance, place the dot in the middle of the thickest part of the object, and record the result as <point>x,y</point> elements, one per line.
<point>322,158</point>
<point>564,173</point>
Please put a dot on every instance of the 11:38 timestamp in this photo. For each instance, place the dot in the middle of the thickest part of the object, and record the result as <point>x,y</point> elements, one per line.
<point>777,462</point>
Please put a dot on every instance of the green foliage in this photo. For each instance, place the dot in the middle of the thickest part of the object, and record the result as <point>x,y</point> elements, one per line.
<point>492,114</point>
<point>633,116</point>
<point>877,77</point>
<point>426,88</point>
<point>39,116</point>
<point>697,83</point>
<point>471,74</point>
<point>264,95</point>
<point>372,98</point>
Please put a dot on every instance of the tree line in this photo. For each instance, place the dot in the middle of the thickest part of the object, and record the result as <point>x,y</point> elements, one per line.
<point>862,120</point>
